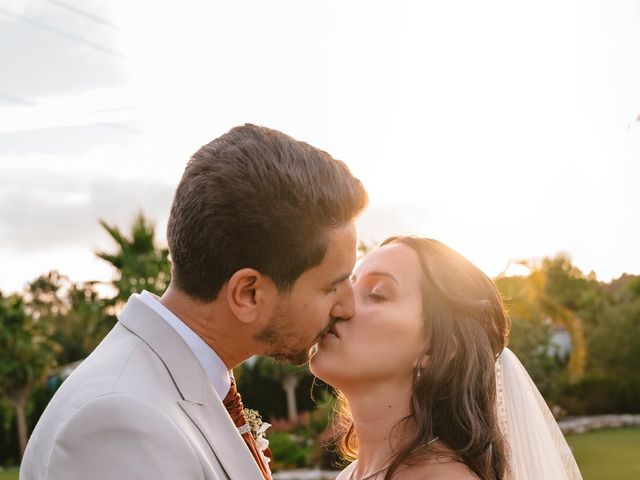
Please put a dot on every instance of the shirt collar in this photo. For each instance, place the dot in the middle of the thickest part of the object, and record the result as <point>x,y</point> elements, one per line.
<point>213,366</point>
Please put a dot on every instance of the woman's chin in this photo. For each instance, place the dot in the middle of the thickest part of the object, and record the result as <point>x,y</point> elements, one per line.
<point>333,374</point>
<point>323,367</point>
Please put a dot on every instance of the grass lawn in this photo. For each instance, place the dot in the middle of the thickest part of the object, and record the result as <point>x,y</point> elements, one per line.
<point>9,474</point>
<point>608,454</point>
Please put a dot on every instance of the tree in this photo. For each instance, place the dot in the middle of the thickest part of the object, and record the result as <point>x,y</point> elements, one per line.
<point>288,376</point>
<point>555,290</point>
<point>140,264</point>
<point>278,391</point>
<point>27,353</point>
<point>75,311</point>
<point>573,299</point>
<point>634,287</point>
<point>530,336</point>
<point>614,340</point>
<point>612,382</point>
<point>84,323</point>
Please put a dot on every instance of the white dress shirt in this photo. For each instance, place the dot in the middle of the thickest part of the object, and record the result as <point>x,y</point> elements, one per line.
<point>213,366</point>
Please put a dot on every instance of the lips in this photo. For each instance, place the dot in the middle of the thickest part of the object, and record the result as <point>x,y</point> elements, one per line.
<point>332,330</point>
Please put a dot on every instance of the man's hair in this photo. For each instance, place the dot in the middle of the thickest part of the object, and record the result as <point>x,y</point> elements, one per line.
<point>256,198</point>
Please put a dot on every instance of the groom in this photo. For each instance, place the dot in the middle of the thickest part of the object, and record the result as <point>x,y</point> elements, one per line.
<point>262,244</point>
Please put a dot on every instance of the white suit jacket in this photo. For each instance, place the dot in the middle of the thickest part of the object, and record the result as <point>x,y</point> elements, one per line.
<point>139,407</point>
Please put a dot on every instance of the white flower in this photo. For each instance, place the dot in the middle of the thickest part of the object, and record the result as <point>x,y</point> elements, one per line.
<point>263,428</point>
<point>258,427</point>
<point>262,444</point>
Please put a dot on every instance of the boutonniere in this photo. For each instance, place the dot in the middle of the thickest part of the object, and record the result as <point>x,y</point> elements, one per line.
<point>258,428</point>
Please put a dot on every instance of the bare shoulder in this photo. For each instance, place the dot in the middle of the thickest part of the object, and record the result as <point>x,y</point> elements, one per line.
<point>437,470</point>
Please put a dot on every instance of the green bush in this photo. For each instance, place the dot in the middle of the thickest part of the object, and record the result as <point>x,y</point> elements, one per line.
<point>290,450</point>
<point>596,395</point>
<point>530,340</point>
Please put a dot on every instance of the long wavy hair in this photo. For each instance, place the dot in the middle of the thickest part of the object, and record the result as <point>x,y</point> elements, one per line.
<point>454,397</point>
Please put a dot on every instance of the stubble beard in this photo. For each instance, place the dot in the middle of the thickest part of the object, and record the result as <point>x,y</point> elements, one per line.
<point>281,345</point>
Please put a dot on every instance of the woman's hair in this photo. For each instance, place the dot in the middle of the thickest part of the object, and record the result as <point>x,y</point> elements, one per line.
<point>454,397</point>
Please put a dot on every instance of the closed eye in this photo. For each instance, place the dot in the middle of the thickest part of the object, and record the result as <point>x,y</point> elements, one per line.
<point>333,286</point>
<point>376,297</point>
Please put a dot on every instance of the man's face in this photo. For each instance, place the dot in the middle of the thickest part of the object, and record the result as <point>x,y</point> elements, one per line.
<point>320,295</point>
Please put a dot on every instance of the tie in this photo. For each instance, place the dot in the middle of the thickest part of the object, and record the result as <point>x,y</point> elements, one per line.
<point>233,404</point>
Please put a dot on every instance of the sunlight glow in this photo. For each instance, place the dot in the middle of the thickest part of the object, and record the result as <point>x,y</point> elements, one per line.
<point>464,122</point>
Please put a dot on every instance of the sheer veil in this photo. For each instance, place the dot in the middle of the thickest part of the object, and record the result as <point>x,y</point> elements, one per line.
<point>536,447</point>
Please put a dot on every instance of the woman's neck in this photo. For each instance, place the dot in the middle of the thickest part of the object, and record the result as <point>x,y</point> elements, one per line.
<point>378,411</point>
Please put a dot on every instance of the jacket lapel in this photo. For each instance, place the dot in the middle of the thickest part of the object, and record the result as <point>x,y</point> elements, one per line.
<point>233,455</point>
<point>200,401</point>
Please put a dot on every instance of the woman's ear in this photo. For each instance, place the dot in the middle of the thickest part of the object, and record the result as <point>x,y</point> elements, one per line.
<point>249,294</point>
<point>425,357</point>
<point>423,362</point>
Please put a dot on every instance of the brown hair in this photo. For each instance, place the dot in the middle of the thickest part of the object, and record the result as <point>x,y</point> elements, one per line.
<point>454,397</point>
<point>256,198</point>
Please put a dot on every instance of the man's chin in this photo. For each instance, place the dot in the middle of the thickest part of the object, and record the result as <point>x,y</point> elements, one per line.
<point>293,358</point>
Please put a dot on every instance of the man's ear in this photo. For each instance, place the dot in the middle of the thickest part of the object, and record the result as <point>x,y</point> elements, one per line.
<point>249,293</point>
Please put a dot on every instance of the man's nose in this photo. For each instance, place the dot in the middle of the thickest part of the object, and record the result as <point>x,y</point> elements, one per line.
<point>345,307</point>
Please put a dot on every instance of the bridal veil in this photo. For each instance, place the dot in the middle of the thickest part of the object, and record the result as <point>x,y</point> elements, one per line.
<point>536,447</point>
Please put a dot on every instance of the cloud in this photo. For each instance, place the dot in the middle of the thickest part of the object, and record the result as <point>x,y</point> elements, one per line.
<point>44,210</point>
<point>65,140</point>
<point>33,47</point>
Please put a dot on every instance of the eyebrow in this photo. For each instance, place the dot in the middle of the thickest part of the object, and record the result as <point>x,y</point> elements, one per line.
<point>378,274</point>
<point>340,279</point>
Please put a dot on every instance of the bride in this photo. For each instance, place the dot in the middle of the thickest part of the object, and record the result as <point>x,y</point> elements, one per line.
<point>426,387</point>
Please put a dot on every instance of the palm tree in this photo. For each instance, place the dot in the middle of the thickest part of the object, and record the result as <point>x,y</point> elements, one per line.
<point>140,264</point>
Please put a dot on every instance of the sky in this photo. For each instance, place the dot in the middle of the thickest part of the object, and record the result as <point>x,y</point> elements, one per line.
<point>506,129</point>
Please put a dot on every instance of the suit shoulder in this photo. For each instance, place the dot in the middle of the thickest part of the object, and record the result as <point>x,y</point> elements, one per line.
<point>114,433</point>
<point>119,410</point>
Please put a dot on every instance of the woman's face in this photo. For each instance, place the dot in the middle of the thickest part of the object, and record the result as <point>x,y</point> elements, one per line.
<point>385,338</point>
